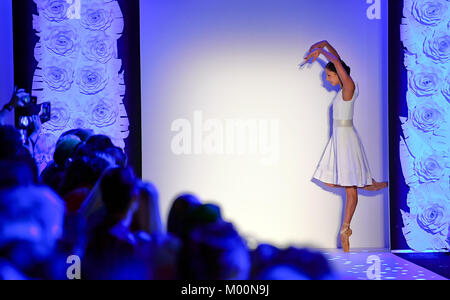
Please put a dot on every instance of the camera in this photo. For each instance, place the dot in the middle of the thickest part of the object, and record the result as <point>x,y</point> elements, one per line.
<point>25,113</point>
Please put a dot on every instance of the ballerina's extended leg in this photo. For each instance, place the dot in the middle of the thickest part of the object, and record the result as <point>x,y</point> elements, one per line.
<point>376,186</point>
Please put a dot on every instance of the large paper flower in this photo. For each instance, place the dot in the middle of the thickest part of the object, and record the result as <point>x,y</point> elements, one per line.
<point>53,10</point>
<point>58,75</point>
<point>429,12</point>
<point>61,40</point>
<point>96,17</point>
<point>103,112</point>
<point>60,117</point>
<point>92,79</point>
<point>429,209</point>
<point>437,47</point>
<point>433,218</point>
<point>424,81</point>
<point>99,48</point>
<point>430,168</point>
<point>427,116</point>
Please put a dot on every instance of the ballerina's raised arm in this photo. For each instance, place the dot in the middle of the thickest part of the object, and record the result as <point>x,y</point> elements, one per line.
<point>348,85</point>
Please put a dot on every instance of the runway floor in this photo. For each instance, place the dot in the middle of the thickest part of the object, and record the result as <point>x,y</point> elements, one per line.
<point>381,264</point>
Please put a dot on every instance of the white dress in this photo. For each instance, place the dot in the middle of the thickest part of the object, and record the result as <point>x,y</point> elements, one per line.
<point>344,162</point>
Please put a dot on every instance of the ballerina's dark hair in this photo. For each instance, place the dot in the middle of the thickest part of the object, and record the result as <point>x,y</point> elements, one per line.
<point>330,66</point>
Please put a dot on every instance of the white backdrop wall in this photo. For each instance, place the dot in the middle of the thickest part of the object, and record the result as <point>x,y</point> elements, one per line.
<point>6,55</point>
<point>209,65</point>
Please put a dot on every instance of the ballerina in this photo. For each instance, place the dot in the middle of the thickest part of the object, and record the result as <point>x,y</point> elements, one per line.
<point>343,163</point>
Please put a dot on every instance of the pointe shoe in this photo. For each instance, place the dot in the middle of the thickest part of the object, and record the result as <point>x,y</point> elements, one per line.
<point>346,232</point>
<point>376,186</point>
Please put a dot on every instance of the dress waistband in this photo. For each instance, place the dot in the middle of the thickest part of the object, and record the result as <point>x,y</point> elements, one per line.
<point>343,123</point>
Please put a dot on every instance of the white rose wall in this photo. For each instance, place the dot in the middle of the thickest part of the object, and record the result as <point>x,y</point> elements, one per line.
<point>85,57</point>
<point>420,137</point>
<point>79,71</point>
<point>82,56</point>
<point>424,150</point>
